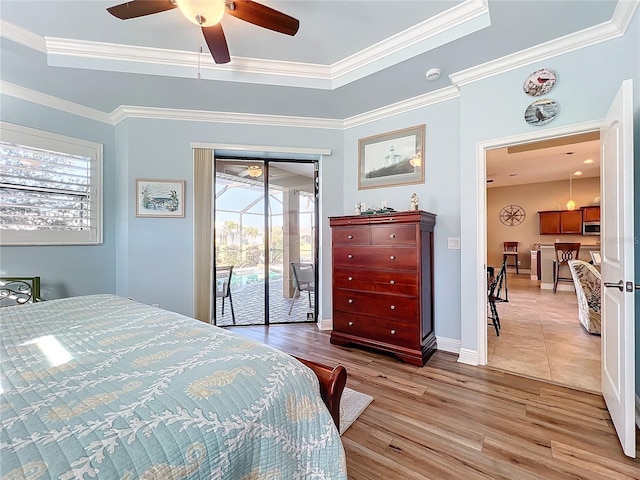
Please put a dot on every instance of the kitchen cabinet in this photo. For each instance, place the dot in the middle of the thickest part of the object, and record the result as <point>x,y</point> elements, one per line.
<point>591,214</point>
<point>556,222</point>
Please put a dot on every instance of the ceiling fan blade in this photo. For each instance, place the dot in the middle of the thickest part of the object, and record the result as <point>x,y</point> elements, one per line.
<point>263,16</point>
<point>140,8</point>
<point>217,43</point>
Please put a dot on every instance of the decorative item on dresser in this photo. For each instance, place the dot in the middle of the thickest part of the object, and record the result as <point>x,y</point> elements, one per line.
<point>383,283</point>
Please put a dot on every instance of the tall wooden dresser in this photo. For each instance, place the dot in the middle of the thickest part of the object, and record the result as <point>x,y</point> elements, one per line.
<point>383,283</point>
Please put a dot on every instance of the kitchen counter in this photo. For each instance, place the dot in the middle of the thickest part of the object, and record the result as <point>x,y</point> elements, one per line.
<point>548,255</point>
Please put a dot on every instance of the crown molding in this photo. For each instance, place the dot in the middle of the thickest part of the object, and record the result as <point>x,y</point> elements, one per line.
<point>404,106</point>
<point>456,22</point>
<point>63,52</point>
<point>614,28</point>
<point>56,103</point>
<point>124,112</point>
<point>22,36</point>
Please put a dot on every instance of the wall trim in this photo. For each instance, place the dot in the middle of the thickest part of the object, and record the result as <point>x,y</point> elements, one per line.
<point>404,106</point>
<point>22,36</point>
<point>457,21</point>
<point>50,101</point>
<point>470,357</point>
<point>128,111</point>
<point>479,243</point>
<point>243,147</point>
<point>448,344</point>
<point>603,32</point>
<point>324,323</point>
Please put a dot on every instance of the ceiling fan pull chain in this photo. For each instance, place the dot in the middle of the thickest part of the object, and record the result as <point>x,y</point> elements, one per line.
<point>199,52</point>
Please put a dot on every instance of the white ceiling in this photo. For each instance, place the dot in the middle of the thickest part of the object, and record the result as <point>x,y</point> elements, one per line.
<point>349,57</point>
<point>543,161</point>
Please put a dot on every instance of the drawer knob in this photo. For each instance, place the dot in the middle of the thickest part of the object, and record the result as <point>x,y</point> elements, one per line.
<point>392,282</point>
<point>393,307</point>
<point>350,323</point>
<point>392,257</point>
<point>349,237</point>
<point>393,235</point>
<point>350,278</point>
<point>349,256</point>
<point>351,300</point>
<point>393,332</point>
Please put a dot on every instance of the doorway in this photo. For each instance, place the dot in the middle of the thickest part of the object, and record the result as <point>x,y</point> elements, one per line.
<point>265,217</point>
<point>541,336</point>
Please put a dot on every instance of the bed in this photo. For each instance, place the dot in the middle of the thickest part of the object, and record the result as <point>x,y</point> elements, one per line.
<point>103,387</point>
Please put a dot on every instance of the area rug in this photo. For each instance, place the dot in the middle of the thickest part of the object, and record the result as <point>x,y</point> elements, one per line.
<point>351,406</point>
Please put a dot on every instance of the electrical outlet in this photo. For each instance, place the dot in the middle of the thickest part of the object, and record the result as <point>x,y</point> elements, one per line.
<point>519,262</point>
<point>310,316</point>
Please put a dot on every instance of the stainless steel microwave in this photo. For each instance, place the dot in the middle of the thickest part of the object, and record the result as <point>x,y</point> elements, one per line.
<point>590,228</point>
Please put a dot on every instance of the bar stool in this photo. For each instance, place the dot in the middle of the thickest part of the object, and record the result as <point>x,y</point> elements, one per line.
<point>565,251</point>
<point>510,250</point>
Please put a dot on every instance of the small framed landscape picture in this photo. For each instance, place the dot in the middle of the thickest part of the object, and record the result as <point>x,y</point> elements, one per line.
<point>391,159</point>
<point>159,198</point>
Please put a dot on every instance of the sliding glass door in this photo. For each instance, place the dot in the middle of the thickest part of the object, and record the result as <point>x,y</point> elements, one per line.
<point>265,230</point>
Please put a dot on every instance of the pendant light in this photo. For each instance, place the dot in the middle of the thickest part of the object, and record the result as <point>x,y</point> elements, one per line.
<point>571,205</point>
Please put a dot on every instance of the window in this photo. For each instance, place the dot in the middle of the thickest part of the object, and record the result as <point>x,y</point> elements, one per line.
<point>50,188</point>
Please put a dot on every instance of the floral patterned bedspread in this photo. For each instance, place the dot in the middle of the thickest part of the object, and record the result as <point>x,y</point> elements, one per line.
<point>104,387</point>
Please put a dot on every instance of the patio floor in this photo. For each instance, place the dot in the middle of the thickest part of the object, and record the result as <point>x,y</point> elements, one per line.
<point>248,305</point>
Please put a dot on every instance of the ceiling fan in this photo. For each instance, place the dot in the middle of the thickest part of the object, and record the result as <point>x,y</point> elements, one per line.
<point>208,13</point>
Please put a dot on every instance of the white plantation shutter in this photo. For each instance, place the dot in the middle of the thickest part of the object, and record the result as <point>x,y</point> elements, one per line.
<point>50,188</point>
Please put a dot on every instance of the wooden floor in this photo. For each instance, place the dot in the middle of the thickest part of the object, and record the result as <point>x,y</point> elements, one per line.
<point>448,420</point>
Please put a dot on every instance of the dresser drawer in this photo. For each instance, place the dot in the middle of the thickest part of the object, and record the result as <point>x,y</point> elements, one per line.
<point>381,330</point>
<point>385,281</point>
<point>378,257</point>
<point>391,306</point>
<point>352,235</point>
<point>393,235</point>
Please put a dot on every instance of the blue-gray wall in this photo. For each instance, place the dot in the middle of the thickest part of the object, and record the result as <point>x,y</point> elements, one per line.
<point>155,259</point>
<point>66,270</point>
<point>152,259</point>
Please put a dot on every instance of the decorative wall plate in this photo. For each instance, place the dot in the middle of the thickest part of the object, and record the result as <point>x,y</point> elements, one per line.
<point>512,215</point>
<point>539,82</point>
<point>541,111</point>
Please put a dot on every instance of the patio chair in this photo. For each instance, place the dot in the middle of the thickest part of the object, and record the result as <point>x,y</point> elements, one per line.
<point>304,280</point>
<point>223,287</point>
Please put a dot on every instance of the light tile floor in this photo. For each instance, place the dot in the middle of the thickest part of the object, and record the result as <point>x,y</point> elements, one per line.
<point>248,305</point>
<point>541,337</point>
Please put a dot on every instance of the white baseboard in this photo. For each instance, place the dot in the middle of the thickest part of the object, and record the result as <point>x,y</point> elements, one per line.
<point>448,344</point>
<point>324,323</point>
<point>470,357</point>
<point>637,410</point>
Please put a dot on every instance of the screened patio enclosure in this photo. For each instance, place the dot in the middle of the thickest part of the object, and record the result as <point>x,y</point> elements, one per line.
<point>264,219</point>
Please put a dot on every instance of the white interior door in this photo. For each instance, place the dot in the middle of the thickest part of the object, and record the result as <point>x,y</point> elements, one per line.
<point>618,297</point>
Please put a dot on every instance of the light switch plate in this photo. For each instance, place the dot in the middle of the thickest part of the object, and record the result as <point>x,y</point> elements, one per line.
<point>453,243</point>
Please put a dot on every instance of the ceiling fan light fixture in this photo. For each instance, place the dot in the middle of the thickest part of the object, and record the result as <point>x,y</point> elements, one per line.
<point>204,13</point>
<point>254,171</point>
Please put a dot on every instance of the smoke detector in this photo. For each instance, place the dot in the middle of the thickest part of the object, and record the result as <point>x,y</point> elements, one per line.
<point>433,73</point>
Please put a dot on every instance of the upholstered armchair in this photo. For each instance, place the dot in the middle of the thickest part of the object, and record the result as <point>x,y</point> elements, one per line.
<point>586,279</point>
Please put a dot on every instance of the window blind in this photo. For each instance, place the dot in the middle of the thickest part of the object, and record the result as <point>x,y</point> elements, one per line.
<point>48,196</point>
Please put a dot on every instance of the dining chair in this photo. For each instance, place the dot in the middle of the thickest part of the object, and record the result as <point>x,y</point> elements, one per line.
<point>565,251</point>
<point>304,280</point>
<point>223,287</point>
<point>510,250</point>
